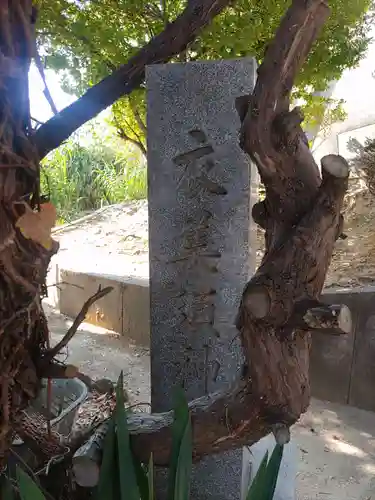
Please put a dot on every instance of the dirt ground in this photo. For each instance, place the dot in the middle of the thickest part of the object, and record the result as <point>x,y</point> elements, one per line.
<point>336,444</point>
<point>117,237</point>
<point>101,353</point>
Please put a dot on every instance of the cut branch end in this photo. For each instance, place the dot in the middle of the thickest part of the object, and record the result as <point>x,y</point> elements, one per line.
<point>258,302</point>
<point>336,166</point>
<point>333,319</point>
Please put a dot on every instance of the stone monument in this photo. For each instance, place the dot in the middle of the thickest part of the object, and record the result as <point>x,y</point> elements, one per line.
<point>201,190</point>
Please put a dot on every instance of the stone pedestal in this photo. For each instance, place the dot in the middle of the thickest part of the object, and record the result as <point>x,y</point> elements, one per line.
<point>201,189</point>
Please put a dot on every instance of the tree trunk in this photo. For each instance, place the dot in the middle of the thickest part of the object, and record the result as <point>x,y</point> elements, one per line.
<point>301,217</point>
<point>23,263</point>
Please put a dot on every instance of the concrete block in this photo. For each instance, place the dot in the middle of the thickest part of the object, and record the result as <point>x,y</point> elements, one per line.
<point>331,356</point>
<point>362,387</point>
<point>125,310</point>
<point>136,311</point>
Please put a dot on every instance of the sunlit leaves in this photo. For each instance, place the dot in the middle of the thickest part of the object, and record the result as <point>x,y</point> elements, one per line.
<point>89,39</point>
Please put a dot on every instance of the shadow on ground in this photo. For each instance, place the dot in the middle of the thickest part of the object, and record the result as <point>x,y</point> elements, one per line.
<point>336,445</point>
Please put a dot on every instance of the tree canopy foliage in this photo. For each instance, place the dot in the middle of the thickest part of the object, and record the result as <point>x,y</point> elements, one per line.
<point>87,40</point>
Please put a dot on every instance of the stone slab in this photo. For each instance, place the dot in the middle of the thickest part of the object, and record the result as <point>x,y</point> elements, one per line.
<point>125,310</point>
<point>200,230</point>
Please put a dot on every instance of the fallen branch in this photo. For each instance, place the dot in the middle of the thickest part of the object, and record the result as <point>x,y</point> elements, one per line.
<point>87,459</point>
<point>160,49</point>
<point>51,353</point>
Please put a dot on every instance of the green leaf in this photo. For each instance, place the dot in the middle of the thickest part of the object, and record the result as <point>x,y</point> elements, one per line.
<point>128,480</point>
<point>28,489</point>
<point>181,419</point>
<point>151,478</point>
<point>142,479</point>
<point>264,483</point>
<point>258,486</point>
<point>85,40</point>
<point>273,468</point>
<point>7,492</point>
<point>105,488</point>
<point>185,460</point>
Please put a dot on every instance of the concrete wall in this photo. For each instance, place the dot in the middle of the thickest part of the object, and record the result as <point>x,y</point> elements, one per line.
<point>125,310</point>
<point>342,367</point>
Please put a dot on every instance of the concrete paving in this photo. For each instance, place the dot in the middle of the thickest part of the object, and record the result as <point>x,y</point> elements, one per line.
<point>337,453</point>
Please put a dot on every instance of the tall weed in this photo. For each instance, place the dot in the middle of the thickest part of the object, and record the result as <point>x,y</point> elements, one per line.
<point>80,178</point>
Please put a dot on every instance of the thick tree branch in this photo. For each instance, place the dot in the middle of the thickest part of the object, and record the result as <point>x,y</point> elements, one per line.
<point>271,134</point>
<point>301,215</point>
<point>160,49</point>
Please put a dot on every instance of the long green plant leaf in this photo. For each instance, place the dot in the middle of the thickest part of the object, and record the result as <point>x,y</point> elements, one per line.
<point>273,469</point>
<point>7,492</point>
<point>264,483</point>
<point>108,469</point>
<point>150,475</point>
<point>142,478</point>
<point>128,480</point>
<point>257,487</point>
<point>27,487</point>
<point>181,419</point>
<point>184,465</point>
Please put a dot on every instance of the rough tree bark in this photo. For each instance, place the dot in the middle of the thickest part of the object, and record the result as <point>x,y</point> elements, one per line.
<point>301,216</point>
<point>23,264</point>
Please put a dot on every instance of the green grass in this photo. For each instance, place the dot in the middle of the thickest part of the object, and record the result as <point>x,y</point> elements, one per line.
<point>80,179</point>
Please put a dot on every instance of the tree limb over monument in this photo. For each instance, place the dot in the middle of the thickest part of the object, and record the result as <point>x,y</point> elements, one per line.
<point>300,214</point>
<point>302,219</point>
